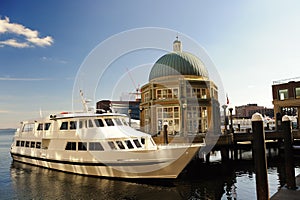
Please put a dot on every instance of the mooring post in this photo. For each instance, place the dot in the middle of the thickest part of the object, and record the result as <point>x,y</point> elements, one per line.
<point>166,133</point>
<point>288,153</point>
<point>259,157</point>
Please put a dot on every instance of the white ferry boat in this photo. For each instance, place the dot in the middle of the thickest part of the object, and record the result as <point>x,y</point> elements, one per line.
<point>98,145</point>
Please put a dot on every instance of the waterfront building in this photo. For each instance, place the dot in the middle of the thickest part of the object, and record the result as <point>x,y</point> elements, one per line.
<point>179,94</point>
<point>246,111</point>
<point>131,108</point>
<point>286,98</point>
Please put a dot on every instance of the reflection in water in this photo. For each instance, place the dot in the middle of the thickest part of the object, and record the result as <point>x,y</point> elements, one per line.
<point>30,182</point>
<point>232,180</point>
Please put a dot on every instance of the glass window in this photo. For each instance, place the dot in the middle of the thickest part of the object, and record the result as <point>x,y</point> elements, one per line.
<point>283,94</point>
<point>137,143</point>
<point>40,127</point>
<point>112,145</point>
<point>72,124</point>
<point>203,93</point>
<point>146,96</point>
<point>169,93</point>
<point>120,144</point>
<point>297,93</point>
<point>175,93</point>
<point>38,145</point>
<point>164,94</point>
<point>109,122</point>
<point>32,144</point>
<point>82,146</point>
<point>18,143</point>
<point>143,140</point>
<point>27,144</point>
<point>47,126</point>
<point>129,144</point>
<point>99,123</point>
<point>64,126</point>
<point>71,146</point>
<point>22,143</point>
<point>82,124</point>
<point>95,146</point>
<point>28,127</point>
<point>118,121</point>
<point>158,95</point>
<point>91,125</point>
<point>124,121</point>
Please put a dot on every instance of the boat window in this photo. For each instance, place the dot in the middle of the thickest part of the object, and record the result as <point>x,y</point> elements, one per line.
<point>47,126</point>
<point>18,143</point>
<point>22,143</point>
<point>129,144</point>
<point>109,122</point>
<point>99,123</point>
<point>82,124</point>
<point>143,140</point>
<point>118,121</point>
<point>71,146</point>
<point>124,121</point>
<point>38,145</point>
<point>40,127</point>
<point>91,125</point>
<point>112,145</point>
<point>137,143</point>
<point>28,127</point>
<point>82,146</point>
<point>64,126</point>
<point>95,146</point>
<point>120,144</point>
<point>27,144</point>
<point>72,124</point>
<point>32,144</point>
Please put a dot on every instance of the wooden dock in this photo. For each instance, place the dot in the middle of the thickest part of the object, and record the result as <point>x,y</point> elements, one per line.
<point>285,193</point>
<point>227,140</point>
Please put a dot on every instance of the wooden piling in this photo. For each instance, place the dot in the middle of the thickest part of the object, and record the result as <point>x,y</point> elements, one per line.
<point>288,153</point>
<point>166,134</point>
<point>259,157</point>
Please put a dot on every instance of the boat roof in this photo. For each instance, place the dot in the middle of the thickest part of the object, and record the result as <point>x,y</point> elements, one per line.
<point>66,115</point>
<point>63,115</point>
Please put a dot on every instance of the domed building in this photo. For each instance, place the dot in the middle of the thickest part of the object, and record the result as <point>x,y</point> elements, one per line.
<point>181,95</point>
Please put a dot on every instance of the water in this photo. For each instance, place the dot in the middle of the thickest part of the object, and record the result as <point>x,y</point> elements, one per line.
<point>235,180</point>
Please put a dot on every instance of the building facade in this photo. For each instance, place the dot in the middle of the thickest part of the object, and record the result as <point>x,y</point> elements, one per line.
<point>286,99</point>
<point>246,111</point>
<point>180,95</point>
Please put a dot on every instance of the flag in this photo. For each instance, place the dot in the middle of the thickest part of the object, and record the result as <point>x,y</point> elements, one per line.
<point>227,99</point>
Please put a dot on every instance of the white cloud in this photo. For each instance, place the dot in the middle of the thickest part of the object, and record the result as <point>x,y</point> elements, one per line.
<point>14,43</point>
<point>31,37</point>
<point>22,79</point>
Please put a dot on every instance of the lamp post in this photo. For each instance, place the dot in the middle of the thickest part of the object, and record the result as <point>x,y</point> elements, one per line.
<point>225,124</point>
<point>231,120</point>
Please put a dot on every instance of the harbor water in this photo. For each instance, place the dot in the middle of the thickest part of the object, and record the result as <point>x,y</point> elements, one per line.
<point>216,180</point>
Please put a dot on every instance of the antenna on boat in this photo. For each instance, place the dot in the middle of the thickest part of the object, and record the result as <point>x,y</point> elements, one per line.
<point>84,102</point>
<point>41,114</point>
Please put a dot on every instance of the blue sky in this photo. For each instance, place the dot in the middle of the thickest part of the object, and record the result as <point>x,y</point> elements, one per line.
<point>43,44</point>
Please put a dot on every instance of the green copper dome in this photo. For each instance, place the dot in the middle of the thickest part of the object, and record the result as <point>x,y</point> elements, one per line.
<point>178,63</point>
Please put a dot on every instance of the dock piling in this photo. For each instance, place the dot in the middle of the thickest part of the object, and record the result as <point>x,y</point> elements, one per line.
<point>259,157</point>
<point>288,153</point>
<point>166,133</point>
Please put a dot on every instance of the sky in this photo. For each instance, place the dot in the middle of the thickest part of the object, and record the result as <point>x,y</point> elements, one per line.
<point>43,44</point>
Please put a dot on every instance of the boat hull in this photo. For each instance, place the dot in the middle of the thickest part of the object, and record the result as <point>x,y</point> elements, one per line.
<point>165,162</point>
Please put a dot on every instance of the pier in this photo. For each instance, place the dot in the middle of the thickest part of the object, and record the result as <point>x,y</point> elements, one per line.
<point>234,143</point>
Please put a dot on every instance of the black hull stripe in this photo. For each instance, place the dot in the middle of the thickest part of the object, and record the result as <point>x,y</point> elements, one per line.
<point>85,163</point>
